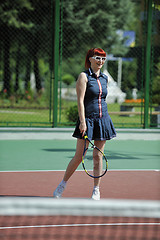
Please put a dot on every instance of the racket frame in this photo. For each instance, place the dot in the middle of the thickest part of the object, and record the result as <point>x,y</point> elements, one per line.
<point>95,147</point>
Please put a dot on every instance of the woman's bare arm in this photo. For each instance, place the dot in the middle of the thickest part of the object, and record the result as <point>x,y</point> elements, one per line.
<point>81,89</point>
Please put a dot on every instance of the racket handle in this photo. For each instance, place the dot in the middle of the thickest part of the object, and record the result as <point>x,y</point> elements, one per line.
<point>85,136</point>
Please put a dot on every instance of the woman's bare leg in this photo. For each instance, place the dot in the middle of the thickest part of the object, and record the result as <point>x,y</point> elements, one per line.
<point>72,166</point>
<point>97,158</point>
<point>76,160</point>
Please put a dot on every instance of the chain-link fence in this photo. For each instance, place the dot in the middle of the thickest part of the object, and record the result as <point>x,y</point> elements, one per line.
<point>121,29</point>
<point>154,87</point>
<point>25,63</point>
<point>28,54</point>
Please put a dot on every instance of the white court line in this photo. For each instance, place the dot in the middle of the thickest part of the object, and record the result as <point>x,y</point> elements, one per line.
<point>83,225</point>
<point>67,135</point>
<point>109,170</point>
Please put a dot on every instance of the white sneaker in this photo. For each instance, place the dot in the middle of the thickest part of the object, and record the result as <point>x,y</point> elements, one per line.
<point>59,190</point>
<point>96,194</point>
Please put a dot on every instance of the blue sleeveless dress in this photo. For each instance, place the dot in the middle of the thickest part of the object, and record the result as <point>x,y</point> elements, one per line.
<point>98,121</point>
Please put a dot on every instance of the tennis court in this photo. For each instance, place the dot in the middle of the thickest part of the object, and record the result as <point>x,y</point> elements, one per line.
<point>33,163</point>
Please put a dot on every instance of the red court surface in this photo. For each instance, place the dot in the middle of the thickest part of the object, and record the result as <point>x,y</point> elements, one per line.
<point>115,184</point>
<point>90,228</point>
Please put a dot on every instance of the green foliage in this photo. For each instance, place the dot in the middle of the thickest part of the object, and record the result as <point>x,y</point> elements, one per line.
<point>27,24</point>
<point>10,13</point>
<point>156,85</point>
<point>72,113</point>
<point>129,72</point>
<point>68,79</point>
<point>102,19</point>
<point>78,65</point>
<point>94,25</point>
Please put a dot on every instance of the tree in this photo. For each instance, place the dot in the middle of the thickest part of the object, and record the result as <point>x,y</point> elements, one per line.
<point>96,22</point>
<point>40,35</point>
<point>9,16</point>
<point>156,85</point>
<point>25,30</point>
<point>26,33</point>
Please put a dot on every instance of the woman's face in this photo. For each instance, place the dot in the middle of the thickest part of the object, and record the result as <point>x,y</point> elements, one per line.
<point>97,62</point>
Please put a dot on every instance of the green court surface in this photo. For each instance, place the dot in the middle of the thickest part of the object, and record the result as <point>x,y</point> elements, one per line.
<point>23,155</point>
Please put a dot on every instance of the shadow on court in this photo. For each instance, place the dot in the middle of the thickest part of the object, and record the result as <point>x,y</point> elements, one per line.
<point>59,150</point>
<point>112,155</point>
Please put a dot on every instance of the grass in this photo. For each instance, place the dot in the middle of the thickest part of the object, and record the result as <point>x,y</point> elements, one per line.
<point>24,117</point>
<point>26,113</point>
<point>119,121</point>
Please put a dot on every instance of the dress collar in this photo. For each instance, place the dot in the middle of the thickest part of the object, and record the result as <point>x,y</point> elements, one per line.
<point>91,73</point>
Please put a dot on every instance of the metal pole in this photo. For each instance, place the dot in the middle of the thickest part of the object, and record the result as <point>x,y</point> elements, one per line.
<point>51,65</point>
<point>61,53</point>
<point>148,60</point>
<point>56,62</point>
<point>119,72</point>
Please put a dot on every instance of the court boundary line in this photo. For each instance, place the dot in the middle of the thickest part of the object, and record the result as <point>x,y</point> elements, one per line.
<point>83,225</point>
<point>109,170</point>
<point>71,129</point>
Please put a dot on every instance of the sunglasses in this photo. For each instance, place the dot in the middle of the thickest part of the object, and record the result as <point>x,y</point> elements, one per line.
<point>98,58</point>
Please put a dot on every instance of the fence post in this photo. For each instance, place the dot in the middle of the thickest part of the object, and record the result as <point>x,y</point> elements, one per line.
<point>56,63</point>
<point>148,60</point>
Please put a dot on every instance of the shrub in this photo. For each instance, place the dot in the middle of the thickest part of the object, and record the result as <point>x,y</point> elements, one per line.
<point>68,79</point>
<point>156,85</point>
<point>72,113</point>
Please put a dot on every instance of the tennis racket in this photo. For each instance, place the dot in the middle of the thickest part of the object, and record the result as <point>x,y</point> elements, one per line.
<point>87,159</point>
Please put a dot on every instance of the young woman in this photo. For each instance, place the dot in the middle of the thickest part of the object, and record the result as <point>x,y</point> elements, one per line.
<point>94,119</point>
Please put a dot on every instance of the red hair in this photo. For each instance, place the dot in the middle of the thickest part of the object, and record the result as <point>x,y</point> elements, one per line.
<point>91,52</point>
